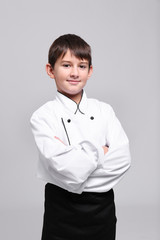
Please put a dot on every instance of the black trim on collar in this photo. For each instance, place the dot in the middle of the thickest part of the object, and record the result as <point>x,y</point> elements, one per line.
<point>78,109</point>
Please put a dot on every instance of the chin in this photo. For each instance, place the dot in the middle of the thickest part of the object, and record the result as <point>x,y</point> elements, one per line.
<point>73,91</point>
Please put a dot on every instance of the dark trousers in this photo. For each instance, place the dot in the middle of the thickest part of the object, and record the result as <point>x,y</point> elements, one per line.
<point>71,216</point>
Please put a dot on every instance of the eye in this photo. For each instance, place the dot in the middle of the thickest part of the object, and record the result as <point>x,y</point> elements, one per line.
<point>82,66</point>
<point>66,65</point>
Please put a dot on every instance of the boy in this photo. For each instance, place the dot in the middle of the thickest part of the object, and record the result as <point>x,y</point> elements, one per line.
<point>83,150</point>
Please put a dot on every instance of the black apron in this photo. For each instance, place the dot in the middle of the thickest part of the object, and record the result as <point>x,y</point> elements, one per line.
<point>71,216</point>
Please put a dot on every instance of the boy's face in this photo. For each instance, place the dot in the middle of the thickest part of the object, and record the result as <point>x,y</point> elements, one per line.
<point>70,74</point>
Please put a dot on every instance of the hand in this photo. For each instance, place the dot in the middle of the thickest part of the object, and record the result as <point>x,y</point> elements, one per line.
<point>59,139</point>
<point>105,149</point>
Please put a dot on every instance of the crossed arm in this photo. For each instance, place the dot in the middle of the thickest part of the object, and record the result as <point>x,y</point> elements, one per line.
<point>105,148</point>
<point>70,166</point>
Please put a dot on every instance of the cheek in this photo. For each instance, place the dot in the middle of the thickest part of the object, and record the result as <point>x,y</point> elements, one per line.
<point>61,75</point>
<point>85,76</point>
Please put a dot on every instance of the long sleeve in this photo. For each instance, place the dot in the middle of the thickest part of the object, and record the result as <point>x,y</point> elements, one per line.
<point>80,164</point>
<point>68,166</point>
<point>118,157</point>
<point>117,160</point>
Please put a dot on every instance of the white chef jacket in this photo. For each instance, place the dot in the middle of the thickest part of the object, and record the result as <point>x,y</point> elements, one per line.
<point>79,164</point>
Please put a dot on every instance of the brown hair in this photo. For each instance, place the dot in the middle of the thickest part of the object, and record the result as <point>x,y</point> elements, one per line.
<point>74,43</point>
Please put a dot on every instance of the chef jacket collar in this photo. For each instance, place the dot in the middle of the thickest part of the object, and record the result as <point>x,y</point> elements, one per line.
<point>71,105</point>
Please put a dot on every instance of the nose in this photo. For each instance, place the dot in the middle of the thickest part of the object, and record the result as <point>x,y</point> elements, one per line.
<point>74,72</point>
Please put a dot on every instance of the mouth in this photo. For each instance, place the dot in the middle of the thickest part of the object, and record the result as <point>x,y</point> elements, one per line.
<point>73,81</point>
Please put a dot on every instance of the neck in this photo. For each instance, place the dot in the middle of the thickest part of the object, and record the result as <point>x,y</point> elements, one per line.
<point>76,98</point>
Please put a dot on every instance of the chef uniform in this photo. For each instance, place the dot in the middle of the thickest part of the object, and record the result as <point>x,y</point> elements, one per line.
<point>79,200</point>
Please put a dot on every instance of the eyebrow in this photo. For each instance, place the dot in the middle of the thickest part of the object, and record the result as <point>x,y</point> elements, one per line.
<point>66,61</point>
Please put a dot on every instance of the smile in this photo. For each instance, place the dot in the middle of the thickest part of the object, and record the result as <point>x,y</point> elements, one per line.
<point>73,81</point>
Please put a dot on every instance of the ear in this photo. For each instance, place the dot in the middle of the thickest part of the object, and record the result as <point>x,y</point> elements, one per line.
<point>90,71</point>
<point>49,70</point>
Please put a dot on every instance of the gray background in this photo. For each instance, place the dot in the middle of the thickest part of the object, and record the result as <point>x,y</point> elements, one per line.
<point>124,36</point>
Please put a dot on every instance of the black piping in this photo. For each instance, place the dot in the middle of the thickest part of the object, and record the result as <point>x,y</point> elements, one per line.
<point>75,102</point>
<point>65,131</point>
<point>78,109</point>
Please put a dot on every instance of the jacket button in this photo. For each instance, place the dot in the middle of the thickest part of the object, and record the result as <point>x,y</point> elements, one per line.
<point>91,118</point>
<point>69,120</point>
